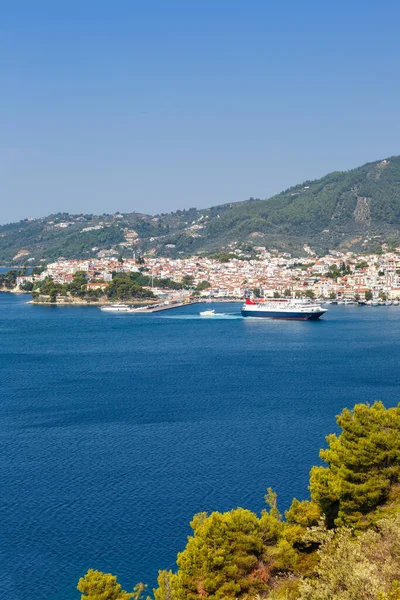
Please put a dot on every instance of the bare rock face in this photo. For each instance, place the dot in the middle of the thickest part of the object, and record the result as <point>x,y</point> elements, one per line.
<point>362,212</point>
<point>21,254</point>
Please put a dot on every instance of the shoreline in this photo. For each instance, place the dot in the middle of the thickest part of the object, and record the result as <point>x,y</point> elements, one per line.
<point>13,291</point>
<point>133,303</point>
<point>85,303</point>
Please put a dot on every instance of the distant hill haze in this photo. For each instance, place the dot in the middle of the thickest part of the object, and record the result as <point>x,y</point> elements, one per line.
<point>352,210</point>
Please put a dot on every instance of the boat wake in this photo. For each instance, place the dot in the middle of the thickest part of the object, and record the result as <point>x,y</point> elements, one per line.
<point>216,316</point>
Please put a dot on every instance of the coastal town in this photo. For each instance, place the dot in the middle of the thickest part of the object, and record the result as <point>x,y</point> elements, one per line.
<point>267,273</point>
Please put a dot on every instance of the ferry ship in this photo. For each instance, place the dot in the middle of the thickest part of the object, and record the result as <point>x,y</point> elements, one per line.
<point>293,310</point>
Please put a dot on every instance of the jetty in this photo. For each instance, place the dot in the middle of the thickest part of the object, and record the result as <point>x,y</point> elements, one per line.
<point>163,307</point>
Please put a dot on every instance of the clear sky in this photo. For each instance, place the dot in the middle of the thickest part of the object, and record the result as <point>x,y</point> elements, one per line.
<point>154,105</point>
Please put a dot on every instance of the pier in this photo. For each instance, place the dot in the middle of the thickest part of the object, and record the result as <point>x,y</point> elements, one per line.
<point>163,307</point>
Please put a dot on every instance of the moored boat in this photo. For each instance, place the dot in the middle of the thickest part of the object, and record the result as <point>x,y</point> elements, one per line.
<point>116,308</point>
<point>282,309</point>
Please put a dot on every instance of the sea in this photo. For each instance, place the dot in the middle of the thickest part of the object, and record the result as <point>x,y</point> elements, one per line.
<point>115,429</point>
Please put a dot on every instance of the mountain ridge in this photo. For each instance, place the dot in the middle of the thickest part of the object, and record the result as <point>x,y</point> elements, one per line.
<point>356,210</point>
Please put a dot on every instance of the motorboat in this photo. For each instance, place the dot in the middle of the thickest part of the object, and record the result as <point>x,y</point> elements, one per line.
<point>210,312</point>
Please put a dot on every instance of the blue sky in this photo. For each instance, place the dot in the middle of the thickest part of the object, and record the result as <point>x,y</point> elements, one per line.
<point>155,105</point>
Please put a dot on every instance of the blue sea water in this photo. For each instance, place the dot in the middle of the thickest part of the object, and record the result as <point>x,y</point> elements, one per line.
<point>116,429</point>
<point>6,269</point>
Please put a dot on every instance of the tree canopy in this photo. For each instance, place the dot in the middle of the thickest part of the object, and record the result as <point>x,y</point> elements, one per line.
<point>363,465</point>
<point>343,544</point>
<point>96,585</point>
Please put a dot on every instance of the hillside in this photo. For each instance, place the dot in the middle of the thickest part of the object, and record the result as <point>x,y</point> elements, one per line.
<point>357,209</point>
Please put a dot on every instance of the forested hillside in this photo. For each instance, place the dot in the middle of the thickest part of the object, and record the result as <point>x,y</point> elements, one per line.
<point>357,209</point>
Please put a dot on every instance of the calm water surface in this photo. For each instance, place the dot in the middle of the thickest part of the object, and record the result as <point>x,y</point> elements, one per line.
<point>116,429</point>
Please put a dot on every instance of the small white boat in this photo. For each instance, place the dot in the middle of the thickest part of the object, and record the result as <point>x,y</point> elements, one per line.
<point>116,308</point>
<point>395,302</point>
<point>210,312</point>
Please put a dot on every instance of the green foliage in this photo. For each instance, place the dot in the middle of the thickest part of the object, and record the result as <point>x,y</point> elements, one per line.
<point>77,287</point>
<point>309,294</point>
<point>26,287</point>
<point>299,517</point>
<point>335,272</point>
<point>271,522</point>
<point>164,590</point>
<point>203,285</point>
<point>9,280</point>
<point>365,567</point>
<point>38,270</point>
<point>239,555</point>
<point>48,287</point>
<point>96,585</point>
<point>363,465</point>
<point>124,286</point>
<point>187,281</point>
<point>223,558</point>
<point>368,295</point>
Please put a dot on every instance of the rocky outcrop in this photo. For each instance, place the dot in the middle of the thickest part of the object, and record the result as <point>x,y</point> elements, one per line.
<point>362,211</point>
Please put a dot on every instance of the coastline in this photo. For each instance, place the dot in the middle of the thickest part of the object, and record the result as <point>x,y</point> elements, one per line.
<point>13,291</point>
<point>86,303</point>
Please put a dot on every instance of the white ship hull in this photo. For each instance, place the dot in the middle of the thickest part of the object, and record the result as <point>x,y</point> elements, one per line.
<point>286,310</point>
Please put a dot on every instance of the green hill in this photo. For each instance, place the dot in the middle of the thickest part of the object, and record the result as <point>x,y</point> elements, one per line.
<point>357,209</point>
